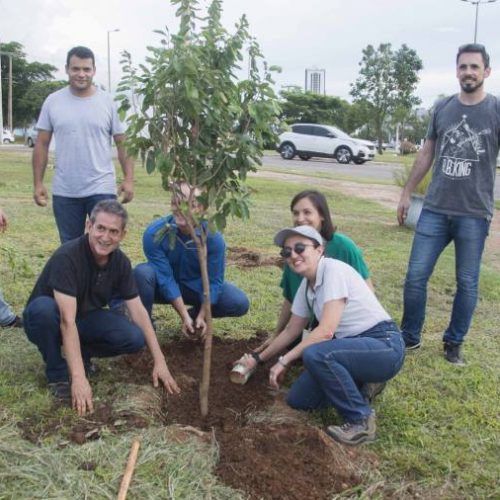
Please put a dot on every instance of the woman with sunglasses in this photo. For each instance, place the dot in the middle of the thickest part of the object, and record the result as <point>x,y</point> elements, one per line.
<point>311,208</point>
<point>354,346</point>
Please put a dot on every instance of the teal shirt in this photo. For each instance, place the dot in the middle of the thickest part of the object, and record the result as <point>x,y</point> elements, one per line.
<point>340,247</point>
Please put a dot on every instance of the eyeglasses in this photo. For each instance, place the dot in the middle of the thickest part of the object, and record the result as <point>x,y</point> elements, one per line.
<point>298,248</point>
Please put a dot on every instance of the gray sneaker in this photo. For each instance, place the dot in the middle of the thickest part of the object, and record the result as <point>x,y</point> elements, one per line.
<point>354,433</point>
<point>410,346</point>
<point>452,353</point>
<point>371,390</point>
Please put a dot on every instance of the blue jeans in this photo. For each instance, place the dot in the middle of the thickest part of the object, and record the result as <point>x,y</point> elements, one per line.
<point>433,233</point>
<point>71,214</point>
<point>102,333</point>
<point>6,314</point>
<point>336,369</point>
<point>232,302</point>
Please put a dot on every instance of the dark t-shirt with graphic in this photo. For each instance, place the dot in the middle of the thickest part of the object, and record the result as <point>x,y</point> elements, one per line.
<point>467,140</point>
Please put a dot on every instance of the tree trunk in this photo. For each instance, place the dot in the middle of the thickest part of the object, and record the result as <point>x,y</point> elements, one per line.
<point>379,120</point>
<point>201,244</point>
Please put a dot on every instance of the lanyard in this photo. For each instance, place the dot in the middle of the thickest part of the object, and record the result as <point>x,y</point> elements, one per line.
<point>310,307</point>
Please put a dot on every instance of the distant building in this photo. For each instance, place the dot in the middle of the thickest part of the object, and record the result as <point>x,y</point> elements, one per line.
<point>315,81</point>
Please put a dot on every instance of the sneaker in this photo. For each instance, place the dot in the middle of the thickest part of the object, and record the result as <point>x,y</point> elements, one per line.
<point>61,390</point>
<point>412,346</point>
<point>371,390</point>
<point>17,322</point>
<point>354,433</point>
<point>452,353</point>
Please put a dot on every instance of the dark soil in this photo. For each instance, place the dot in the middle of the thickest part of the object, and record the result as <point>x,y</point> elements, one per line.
<point>243,257</point>
<point>266,449</point>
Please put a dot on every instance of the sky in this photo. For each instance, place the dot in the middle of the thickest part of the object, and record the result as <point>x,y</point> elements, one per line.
<point>293,34</point>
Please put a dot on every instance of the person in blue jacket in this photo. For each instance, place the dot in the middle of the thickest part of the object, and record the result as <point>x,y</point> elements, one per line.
<point>172,274</point>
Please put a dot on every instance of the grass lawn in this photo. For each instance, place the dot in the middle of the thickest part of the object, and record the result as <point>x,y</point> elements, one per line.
<point>439,426</point>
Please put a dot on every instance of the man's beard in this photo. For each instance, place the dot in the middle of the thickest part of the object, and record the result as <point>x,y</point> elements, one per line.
<point>470,86</point>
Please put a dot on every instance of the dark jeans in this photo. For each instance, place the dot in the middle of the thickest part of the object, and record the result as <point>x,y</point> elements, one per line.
<point>336,369</point>
<point>232,301</point>
<point>71,214</point>
<point>102,333</point>
<point>432,235</point>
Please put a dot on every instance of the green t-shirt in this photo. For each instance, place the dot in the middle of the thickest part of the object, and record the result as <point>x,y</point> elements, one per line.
<point>340,247</point>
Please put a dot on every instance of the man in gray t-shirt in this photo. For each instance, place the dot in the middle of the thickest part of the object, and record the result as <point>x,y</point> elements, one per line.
<point>462,141</point>
<point>83,120</point>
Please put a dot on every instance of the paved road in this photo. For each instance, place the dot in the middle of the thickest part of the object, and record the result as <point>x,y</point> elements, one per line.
<point>369,170</point>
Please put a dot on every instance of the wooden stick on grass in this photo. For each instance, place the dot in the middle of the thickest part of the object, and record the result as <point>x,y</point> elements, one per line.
<point>127,476</point>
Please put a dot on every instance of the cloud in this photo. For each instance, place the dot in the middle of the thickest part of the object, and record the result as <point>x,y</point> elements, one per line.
<point>294,35</point>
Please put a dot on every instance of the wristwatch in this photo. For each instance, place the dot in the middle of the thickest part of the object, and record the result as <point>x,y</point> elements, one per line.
<point>256,356</point>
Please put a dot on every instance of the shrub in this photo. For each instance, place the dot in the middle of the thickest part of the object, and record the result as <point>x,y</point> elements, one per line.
<point>401,178</point>
<point>407,148</point>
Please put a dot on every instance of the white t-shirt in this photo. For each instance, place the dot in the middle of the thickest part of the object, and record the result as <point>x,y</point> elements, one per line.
<point>83,127</point>
<point>337,280</point>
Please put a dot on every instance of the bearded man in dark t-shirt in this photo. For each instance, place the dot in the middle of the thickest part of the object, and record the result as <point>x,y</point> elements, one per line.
<point>463,141</point>
<point>69,306</point>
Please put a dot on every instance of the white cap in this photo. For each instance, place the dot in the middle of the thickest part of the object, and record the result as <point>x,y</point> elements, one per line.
<point>307,231</point>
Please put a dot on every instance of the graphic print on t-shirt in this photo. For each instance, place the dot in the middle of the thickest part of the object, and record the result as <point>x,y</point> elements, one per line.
<point>461,148</point>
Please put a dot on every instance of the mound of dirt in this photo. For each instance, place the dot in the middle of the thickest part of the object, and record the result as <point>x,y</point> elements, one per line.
<point>267,450</point>
<point>283,461</point>
<point>242,257</point>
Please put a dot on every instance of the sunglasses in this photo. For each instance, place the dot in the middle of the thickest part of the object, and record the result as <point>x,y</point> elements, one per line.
<point>298,248</point>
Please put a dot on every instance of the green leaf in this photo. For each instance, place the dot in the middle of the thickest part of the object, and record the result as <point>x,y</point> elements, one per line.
<point>150,162</point>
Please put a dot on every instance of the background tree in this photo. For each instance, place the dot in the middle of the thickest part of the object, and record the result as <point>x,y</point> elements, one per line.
<point>197,124</point>
<point>387,80</point>
<point>417,124</point>
<point>32,82</point>
<point>356,119</point>
<point>410,126</point>
<point>309,107</point>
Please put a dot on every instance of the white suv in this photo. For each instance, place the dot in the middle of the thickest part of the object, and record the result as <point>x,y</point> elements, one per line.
<point>30,137</point>
<point>308,139</point>
<point>8,136</point>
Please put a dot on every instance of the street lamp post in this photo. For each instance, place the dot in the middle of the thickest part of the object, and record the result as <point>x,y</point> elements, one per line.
<point>109,59</point>
<point>476,3</point>
<point>1,110</point>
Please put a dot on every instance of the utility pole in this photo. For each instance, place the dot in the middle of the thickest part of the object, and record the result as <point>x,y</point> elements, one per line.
<point>109,59</point>
<point>10,125</point>
<point>476,3</point>
<point>9,106</point>
<point>1,109</point>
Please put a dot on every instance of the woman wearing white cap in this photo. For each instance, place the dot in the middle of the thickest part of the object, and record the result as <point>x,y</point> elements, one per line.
<point>310,208</point>
<point>356,344</point>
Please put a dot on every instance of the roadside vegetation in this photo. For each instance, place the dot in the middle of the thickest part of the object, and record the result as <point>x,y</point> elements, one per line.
<point>438,426</point>
<point>391,156</point>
